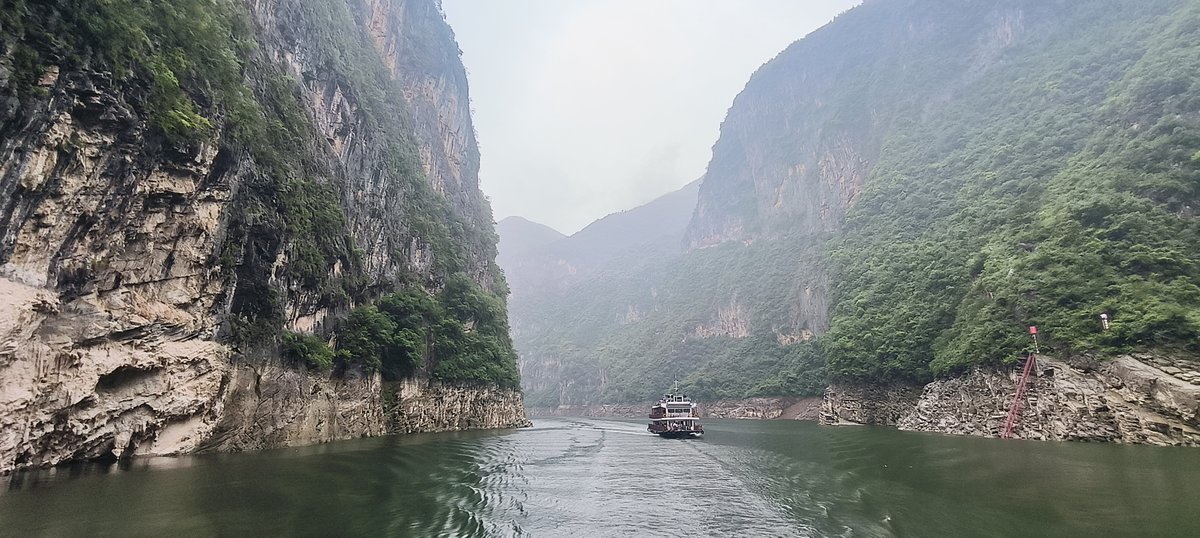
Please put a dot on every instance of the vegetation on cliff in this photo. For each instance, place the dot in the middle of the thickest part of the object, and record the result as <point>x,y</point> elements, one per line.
<point>1057,187</point>
<point>163,49</point>
<point>196,73</point>
<point>999,165</point>
<point>461,334</point>
<point>630,322</point>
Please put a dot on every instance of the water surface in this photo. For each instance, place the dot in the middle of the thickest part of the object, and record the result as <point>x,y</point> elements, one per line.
<point>592,477</point>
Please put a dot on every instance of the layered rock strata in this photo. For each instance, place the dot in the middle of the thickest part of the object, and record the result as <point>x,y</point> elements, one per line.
<point>1135,400</point>
<point>115,294</point>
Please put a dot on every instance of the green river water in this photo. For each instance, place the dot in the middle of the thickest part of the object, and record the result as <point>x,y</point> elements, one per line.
<point>596,477</point>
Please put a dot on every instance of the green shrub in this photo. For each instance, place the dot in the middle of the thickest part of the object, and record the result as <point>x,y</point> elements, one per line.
<point>307,349</point>
<point>461,335</point>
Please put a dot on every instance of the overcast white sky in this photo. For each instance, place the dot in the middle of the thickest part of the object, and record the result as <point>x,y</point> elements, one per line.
<point>588,107</point>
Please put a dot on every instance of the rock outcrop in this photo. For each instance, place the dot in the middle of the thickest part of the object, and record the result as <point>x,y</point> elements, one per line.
<point>416,406</point>
<point>867,404</point>
<point>790,408</point>
<point>102,375</point>
<point>1136,400</point>
<point>273,406</point>
<point>125,259</point>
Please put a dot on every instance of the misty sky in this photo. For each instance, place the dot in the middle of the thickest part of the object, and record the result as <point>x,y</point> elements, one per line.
<point>588,107</point>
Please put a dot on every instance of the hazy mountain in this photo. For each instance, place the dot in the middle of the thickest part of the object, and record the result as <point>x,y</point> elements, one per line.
<point>544,273</point>
<point>901,193</point>
<point>519,236</point>
<point>536,257</point>
<point>659,222</point>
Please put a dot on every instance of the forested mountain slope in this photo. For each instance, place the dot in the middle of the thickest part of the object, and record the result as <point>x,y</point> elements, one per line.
<point>901,193</point>
<point>232,224</point>
<point>1058,186</point>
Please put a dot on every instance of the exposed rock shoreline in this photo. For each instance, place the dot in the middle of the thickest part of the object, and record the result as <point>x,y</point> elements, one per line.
<point>1134,400</point>
<point>1141,399</point>
<point>140,389</point>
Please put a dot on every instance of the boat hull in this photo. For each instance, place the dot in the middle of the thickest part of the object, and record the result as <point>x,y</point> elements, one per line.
<point>679,435</point>
<point>675,432</point>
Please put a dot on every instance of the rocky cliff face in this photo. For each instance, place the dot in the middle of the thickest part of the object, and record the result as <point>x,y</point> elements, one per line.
<point>127,260</point>
<point>109,333</point>
<point>421,57</point>
<point>1143,400</point>
<point>420,52</point>
<point>272,406</point>
<point>415,406</point>
<point>803,136</point>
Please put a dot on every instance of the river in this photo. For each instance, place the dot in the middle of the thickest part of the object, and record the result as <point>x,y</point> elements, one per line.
<point>597,477</point>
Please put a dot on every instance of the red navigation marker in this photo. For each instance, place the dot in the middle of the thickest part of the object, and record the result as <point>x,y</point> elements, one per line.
<point>1033,329</point>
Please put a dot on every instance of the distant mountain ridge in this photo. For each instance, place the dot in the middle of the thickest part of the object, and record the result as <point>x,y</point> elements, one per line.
<point>519,235</point>
<point>545,271</point>
<point>661,220</point>
<point>531,252</point>
<point>897,197</point>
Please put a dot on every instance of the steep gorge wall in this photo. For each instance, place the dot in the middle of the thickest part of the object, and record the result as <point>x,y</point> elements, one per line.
<point>741,312</point>
<point>420,51</point>
<point>116,248</point>
<point>109,328</point>
<point>943,244</point>
<point>802,138</point>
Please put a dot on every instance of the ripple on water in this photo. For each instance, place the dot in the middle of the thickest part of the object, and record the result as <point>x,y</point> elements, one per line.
<point>611,478</point>
<point>614,479</point>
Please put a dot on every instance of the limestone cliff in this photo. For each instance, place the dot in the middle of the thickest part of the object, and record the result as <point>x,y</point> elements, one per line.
<point>801,139</point>
<point>146,274</point>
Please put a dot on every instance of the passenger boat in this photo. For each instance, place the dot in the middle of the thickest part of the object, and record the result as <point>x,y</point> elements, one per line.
<point>675,416</point>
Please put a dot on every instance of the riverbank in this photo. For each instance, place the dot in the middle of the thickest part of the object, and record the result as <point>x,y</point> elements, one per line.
<point>1133,399</point>
<point>787,408</point>
<point>1140,399</point>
